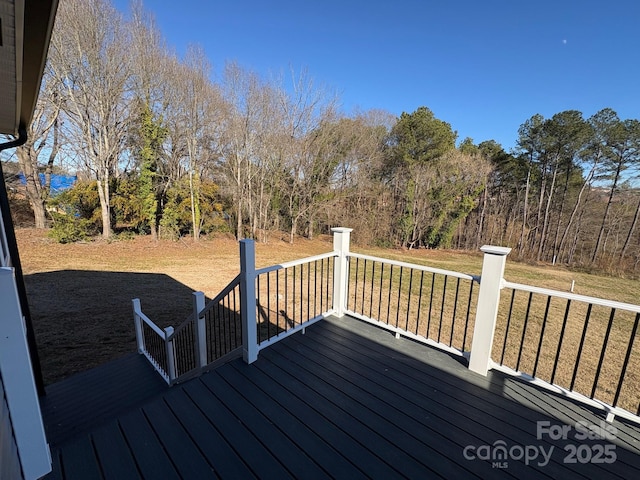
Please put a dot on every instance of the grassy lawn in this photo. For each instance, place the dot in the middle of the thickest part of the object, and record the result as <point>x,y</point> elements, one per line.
<point>80,296</point>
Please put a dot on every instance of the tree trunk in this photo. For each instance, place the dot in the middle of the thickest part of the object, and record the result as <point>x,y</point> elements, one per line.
<point>545,224</point>
<point>631,230</point>
<point>575,209</point>
<point>556,236</point>
<point>310,228</point>
<point>29,167</point>
<point>483,211</point>
<point>543,190</point>
<point>239,235</point>
<point>103,194</point>
<point>293,230</point>
<point>524,213</point>
<point>606,212</point>
<point>195,217</point>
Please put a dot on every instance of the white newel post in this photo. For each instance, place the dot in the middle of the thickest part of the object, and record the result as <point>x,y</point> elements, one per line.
<point>171,358</point>
<point>138,324</point>
<point>487,311</point>
<point>200,332</point>
<point>341,244</point>
<point>248,300</point>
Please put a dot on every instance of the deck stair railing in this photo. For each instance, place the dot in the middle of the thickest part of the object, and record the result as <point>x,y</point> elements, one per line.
<point>583,347</point>
<point>153,344</point>
<point>213,330</point>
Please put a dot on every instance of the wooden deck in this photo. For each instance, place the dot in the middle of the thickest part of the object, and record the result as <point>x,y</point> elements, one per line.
<point>345,400</point>
<point>78,404</point>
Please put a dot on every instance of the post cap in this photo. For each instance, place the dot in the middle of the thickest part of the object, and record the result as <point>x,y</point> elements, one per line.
<point>341,230</point>
<point>493,250</point>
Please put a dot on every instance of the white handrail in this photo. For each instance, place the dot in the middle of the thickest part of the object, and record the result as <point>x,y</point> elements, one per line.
<point>225,291</point>
<point>573,296</point>
<point>151,324</point>
<point>414,266</point>
<point>209,306</point>
<point>294,263</point>
<point>139,318</point>
<point>187,321</point>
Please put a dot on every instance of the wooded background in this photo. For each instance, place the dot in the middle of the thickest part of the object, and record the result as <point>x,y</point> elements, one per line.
<point>164,146</point>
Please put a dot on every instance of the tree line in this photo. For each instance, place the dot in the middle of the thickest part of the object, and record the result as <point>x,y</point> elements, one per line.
<point>165,150</point>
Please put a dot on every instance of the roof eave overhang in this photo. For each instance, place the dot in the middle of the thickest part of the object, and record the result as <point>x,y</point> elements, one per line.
<point>31,33</point>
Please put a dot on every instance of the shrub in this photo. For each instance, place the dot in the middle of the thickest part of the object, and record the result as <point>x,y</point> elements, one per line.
<point>75,213</point>
<point>176,218</point>
<point>69,229</point>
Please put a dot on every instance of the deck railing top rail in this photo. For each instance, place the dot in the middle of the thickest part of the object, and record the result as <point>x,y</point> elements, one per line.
<point>151,324</point>
<point>414,266</point>
<point>152,342</point>
<point>573,296</point>
<point>223,293</point>
<point>295,263</point>
<point>183,325</point>
<point>208,307</point>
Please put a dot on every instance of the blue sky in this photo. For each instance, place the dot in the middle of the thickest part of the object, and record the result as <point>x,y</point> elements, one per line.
<point>483,66</point>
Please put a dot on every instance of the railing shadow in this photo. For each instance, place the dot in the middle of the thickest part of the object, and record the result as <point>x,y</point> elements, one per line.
<point>272,323</point>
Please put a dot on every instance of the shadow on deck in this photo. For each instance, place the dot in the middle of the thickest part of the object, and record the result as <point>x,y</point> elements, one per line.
<point>345,400</point>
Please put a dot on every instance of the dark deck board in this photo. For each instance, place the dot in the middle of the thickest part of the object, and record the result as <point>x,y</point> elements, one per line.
<point>414,412</point>
<point>340,387</point>
<point>345,400</point>
<point>449,424</point>
<point>362,458</point>
<point>309,440</point>
<point>150,456</point>
<point>449,419</point>
<point>79,460</point>
<point>215,449</point>
<point>56,466</point>
<point>281,447</point>
<point>82,402</point>
<point>176,442</point>
<point>509,392</point>
<point>523,413</point>
<point>377,448</point>
<point>257,457</point>
<point>114,456</point>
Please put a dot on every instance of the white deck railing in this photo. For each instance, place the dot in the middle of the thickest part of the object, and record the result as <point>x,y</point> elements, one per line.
<point>581,346</point>
<point>210,332</point>
<point>430,305</point>
<point>439,307</point>
<point>153,343</point>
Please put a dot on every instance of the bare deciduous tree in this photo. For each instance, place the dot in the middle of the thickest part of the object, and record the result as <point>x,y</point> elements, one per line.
<point>89,58</point>
<point>42,140</point>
